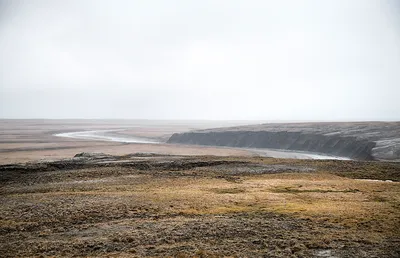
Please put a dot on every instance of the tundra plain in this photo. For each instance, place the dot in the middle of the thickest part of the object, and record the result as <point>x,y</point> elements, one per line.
<point>187,201</point>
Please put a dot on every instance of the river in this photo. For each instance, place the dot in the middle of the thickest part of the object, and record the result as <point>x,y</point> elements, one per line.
<point>109,135</point>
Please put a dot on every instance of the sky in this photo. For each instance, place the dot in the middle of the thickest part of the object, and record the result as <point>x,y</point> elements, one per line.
<point>313,60</point>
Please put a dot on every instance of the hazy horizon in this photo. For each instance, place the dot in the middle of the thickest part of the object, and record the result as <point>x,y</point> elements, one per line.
<point>200,60</point>
<point>233,121</point>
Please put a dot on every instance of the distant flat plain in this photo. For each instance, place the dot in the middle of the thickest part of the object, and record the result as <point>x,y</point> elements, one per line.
<point>32,140</point>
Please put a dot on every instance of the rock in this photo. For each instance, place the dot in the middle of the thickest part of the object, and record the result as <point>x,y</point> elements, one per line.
<point>361,141</point>
<point>95,155</point>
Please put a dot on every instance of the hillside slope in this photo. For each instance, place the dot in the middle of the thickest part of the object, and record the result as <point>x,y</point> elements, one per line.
<point>361,140</point>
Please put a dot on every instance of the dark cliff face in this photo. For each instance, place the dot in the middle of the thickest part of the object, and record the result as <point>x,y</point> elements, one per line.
<point>344,146</point>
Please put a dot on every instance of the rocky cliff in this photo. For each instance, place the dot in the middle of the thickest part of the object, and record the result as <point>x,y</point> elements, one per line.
<point>361,141</point>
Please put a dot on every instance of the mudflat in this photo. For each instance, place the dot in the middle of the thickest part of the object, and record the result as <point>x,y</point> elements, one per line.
<point>32,140</point>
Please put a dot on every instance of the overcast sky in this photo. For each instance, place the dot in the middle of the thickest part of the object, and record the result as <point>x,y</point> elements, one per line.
<point>208,59</point>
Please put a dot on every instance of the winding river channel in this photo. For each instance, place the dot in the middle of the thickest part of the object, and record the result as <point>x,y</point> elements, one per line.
<point>111,136</point>
<point>106,135</point>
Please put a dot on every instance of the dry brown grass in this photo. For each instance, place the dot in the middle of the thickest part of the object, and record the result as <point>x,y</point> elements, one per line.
<point>350,202</point>
<point>216,206</point>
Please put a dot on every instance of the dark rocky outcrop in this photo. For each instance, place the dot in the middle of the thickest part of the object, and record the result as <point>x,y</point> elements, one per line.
<point>346,146</point>
<point>356,140</point>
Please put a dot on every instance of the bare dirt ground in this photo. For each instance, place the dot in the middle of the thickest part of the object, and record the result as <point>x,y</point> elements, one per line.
<point>32,140</point>
<point>201,206</point>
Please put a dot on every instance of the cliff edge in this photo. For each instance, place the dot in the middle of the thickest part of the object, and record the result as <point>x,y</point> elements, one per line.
<point>361,140</point>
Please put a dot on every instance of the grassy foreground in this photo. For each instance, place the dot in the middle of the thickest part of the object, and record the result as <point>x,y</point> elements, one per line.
<point>174,206</point>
